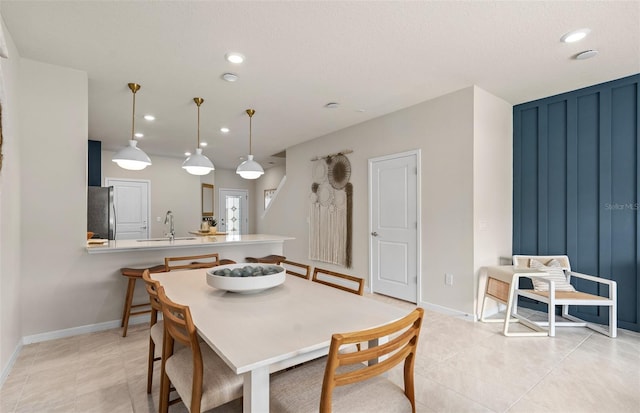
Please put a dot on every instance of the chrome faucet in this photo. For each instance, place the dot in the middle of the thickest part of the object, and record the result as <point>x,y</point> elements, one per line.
<point>168,219</point>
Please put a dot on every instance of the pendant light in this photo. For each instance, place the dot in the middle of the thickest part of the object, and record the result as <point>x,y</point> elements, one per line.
<point>131,157</point>
<point>198,164</point>
<point>250,169</point>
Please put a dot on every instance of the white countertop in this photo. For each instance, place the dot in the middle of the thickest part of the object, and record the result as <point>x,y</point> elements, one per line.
<point>185,242</point>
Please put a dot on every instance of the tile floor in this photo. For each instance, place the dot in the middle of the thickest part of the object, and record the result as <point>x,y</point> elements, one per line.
<point>462,367</point>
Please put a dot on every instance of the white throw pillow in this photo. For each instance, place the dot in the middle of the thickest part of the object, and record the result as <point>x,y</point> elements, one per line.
<point>556,273</point>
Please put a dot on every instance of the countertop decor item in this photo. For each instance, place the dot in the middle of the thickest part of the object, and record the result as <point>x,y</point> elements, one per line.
<point>132,157</point>
<point>245,278</point>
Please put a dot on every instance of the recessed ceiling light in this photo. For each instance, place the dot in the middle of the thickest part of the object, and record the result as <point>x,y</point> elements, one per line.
<point>187,154</point>
<point>361,110</point>
<point>230,77</point>
<point>331,105</point>
<point>575,35</point>
<point>234,57</point>
<point>224,130</point>
<point>587,54</point>
<point>149,117</point>
<point>139,135</point>
<point>203,144</point>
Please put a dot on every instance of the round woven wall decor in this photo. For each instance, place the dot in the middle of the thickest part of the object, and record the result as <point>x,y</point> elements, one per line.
<point>339,171</point>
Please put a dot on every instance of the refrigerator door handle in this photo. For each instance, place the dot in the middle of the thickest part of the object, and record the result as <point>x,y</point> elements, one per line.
<point>115,220</point>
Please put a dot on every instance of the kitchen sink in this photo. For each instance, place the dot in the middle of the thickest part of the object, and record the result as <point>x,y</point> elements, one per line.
<point>166,239</point>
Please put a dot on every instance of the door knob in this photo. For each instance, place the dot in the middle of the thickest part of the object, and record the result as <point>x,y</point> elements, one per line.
<point>375,234</point>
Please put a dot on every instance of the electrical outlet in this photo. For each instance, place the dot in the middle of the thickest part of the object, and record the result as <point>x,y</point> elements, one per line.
<point>448,280</point>
<point>158,219</point>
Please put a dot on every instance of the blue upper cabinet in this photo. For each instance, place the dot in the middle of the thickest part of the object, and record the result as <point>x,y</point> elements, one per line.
<point>94,167</point>
<point>576,186</point>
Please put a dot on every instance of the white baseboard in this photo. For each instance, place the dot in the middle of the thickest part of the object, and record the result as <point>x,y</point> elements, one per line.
<point>74,331</point>
<point>7,369</point>
<point>448,311</point>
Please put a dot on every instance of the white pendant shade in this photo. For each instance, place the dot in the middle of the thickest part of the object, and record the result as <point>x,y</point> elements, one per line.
<point>198,164</point>
<point>131,157</point>
<point>250,169</point>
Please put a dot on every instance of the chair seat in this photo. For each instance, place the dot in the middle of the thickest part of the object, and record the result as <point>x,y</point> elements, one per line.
<point>298,391</point>
<point>220,383</point>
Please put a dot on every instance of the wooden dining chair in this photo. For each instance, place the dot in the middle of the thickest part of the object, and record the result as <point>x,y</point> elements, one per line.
<point>200,377</point>
<point>267,259</point>
<point>353,381</point>
<point>191,262</point>
<point>157,327</point>
<point>337,280</point>
<point>297,269</point>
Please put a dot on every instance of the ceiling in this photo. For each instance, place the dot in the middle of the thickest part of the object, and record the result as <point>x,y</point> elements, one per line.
<point>372,58</point>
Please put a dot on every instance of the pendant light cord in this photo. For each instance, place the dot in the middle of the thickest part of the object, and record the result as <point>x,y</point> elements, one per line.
<point>250,112</point>
<point>133,117</point>
<point>198,101</point>
<point>134,87</point>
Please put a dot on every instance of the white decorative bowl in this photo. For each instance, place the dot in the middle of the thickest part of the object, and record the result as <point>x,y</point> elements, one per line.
<point>245,285</point>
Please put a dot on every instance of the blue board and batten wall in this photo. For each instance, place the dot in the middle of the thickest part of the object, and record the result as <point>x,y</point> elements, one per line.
<point>576,189</point>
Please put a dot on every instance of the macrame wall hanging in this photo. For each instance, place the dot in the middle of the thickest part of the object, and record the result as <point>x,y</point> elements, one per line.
<point>331,210</point>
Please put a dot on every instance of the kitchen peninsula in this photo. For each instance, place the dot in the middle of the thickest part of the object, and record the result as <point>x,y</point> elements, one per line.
<point>101,265</point>
<point>235,247</point>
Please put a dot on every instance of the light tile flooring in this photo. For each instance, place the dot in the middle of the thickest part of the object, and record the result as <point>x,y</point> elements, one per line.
<point>462,367</point>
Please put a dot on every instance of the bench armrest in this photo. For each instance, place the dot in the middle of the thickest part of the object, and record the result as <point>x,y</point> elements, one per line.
<point>592,278</point>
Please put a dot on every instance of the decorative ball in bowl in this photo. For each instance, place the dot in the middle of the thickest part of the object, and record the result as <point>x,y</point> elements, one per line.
<point>245,278</point>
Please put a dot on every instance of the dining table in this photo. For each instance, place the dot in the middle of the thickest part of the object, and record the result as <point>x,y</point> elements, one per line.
<point>260,333</point>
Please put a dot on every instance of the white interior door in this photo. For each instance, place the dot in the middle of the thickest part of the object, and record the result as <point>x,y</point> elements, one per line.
<point>394,222</point>
<point>233,212</point>
<point>131,201</point>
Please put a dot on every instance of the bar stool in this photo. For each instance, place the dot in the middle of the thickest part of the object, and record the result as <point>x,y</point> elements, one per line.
<point>268,259</point>
<point>134,274</point>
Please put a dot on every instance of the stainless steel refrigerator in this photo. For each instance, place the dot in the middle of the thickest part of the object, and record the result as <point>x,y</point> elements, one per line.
<point>101,212</point>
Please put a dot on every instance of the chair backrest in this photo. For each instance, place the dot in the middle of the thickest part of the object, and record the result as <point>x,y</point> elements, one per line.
<point>337,280</point>
<point>401,346</point>
<point>297,269</point>
<point>152,287</point>
<point>267,259</point>
<point>522,261</point>
<point>188,263</point>
<point>179,326</point>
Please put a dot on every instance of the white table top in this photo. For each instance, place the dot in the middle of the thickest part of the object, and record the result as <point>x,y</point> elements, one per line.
<point>251,331</point>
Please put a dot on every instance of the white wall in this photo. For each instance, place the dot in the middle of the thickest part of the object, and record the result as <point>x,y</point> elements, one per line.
<point>10,215</point>
<point>443,128</point>
<point>172,189</point>
<point>492,179</point>
<point>270,180</point>
<point>54,121</point>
